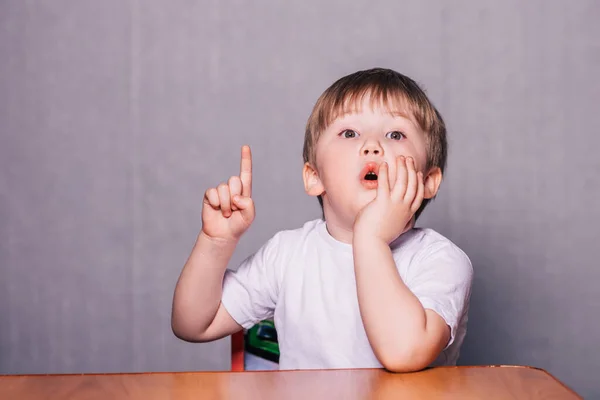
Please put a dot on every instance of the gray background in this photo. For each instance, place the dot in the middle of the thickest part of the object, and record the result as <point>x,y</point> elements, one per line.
<point>116,116</point>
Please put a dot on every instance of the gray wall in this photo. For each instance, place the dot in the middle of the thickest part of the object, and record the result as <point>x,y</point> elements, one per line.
<point>116,116</point>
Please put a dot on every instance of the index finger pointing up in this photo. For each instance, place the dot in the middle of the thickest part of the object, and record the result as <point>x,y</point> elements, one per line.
<point>246,171</point>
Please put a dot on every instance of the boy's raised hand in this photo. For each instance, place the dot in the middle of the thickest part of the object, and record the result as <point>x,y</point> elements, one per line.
<point>228,209</point>
<point>388,214</point>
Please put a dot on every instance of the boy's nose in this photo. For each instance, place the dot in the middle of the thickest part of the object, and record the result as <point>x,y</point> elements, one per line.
<point>372,148</point>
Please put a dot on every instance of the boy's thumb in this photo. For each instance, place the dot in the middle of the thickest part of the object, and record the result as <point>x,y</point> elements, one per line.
<point>242,202</point>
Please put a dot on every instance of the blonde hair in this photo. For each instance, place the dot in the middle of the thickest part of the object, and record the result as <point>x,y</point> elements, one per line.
<point>391,89</point>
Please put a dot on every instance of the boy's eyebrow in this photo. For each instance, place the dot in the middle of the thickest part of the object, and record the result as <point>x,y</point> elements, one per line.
<point>408,116</point>
<point>398,113</point>
<point>394,113</point>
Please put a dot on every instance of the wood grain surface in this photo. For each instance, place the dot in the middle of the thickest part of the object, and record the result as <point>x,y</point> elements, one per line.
<point>501,382</point>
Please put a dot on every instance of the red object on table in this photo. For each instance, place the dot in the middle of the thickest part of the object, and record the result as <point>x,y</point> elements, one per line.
<point>237,351</point>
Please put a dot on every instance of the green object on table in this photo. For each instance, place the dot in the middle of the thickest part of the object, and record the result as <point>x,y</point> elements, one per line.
<point>261,340</point>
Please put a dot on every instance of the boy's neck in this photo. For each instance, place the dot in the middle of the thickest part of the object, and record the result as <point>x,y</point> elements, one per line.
<point>339,232</point>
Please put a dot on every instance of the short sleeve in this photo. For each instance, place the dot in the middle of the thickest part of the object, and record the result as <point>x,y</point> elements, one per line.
<point>442,280</point>
<point>250,292</point>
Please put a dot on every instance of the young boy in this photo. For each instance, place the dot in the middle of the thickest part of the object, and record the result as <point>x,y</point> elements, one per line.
<point>362,288</point>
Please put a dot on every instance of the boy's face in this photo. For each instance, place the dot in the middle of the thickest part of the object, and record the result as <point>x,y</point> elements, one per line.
<point>351,149</point>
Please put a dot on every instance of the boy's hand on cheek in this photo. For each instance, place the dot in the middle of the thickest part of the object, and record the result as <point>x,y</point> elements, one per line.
<point>387,215</point>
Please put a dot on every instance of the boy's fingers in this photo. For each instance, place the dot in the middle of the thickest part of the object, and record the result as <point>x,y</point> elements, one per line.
<point>383,185</point>
<point>211,197</point>
<point>412,181</point>
<point>420,193</point>
<point>243,203</point>
<point>235,189</point>
<point>235,185</point>
<point>246,206</point>
<point>391,181</point>
<point>401,178</point>
<point>224,199</point>
<point>246,171</point>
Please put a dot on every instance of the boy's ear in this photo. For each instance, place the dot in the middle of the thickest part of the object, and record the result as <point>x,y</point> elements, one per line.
<point>432,182</point>
<point>312,183</point>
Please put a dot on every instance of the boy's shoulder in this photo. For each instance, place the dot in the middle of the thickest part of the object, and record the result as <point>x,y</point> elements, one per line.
<point>416,244</point>
<point>296,236</point>
<point>422,240</point>
<point>307,229</point>
<point>422,243</point>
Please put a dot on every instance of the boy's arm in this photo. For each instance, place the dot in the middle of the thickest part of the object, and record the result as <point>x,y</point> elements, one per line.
<point>227,212</point>
<point>404,335</point>
<point>198,315</point>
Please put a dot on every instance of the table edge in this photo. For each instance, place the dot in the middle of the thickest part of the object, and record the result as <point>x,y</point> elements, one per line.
<point>10,376</point>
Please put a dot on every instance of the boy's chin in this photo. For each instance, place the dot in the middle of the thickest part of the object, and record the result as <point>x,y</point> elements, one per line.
<point>347,213</point>
<point>364,198</point>
<point>360,204</point>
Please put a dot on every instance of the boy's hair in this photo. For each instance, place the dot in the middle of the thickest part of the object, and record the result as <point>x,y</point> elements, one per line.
<point>394,91</point>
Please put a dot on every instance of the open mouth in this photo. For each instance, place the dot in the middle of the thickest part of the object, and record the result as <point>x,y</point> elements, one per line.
<point>371,176</point>
<point>368,175</point>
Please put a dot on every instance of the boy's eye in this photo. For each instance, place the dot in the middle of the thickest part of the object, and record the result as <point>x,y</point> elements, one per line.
<point>348,133</point>
<point>395,135</point>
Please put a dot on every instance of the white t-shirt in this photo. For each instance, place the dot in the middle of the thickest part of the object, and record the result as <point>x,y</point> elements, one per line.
<point>304,279</point>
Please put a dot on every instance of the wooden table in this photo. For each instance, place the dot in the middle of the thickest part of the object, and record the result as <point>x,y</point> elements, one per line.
<point>443,382</point>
